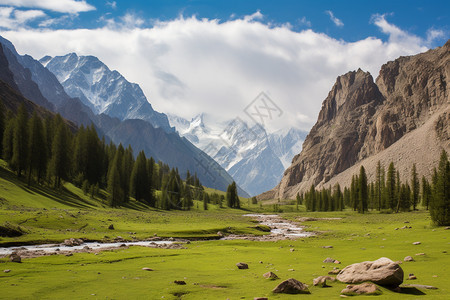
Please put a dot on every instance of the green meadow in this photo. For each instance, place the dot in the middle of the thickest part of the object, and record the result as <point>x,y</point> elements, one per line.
<point>208,267</point>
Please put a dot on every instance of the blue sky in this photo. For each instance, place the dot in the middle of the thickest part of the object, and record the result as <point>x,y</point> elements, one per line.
<point>200,56</point>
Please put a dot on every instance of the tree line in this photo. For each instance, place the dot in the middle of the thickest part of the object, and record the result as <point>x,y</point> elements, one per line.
<point>47,152</point>
<point>387,193</point>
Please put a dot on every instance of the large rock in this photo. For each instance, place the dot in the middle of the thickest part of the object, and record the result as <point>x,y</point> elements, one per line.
<point>365,288</point>
<point>73,242</point>
<point>242,265</point>
<point>270,275</point>
<point>14,257</point>
<point>383,271</point>
<point>291,286</point>
<point>322,281</point>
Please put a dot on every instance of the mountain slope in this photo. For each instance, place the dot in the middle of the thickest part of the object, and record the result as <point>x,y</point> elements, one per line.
<point>103,90</point>
<point>163,145</point>
<point>361,118</point>
<point>255,159</point>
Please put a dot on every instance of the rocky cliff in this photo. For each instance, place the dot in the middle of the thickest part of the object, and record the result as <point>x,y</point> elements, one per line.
<point>361,118</point>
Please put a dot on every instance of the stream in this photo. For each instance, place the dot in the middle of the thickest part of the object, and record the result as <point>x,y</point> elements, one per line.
<point>280,229</point>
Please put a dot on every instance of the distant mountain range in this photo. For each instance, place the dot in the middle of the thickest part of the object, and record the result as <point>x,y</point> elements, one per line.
<point>254,158</point>
<point>88,78</point>
<point>402,117</point>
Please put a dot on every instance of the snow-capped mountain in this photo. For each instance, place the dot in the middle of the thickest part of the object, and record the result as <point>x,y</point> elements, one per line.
<point>255,159</point>
<point>103,90</point>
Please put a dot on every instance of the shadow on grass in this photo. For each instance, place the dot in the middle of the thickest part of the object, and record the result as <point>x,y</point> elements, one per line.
<point>410,290</point>
<point>63,196</point>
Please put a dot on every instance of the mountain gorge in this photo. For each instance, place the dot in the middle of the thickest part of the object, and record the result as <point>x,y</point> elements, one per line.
<point>362,121</point>
<point>254,158</point>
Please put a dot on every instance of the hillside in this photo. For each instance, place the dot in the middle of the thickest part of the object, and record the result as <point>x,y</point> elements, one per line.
<point>403,114</point>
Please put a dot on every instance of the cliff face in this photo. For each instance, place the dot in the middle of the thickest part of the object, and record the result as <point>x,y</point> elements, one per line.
<point>361,118</point>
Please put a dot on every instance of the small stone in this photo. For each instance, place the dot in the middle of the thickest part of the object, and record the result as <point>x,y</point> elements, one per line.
<point>147,269</point>
<point>242,266</point>
<point>420,254</point>
<point>322,281</point>
<point>417,243</point>
<point>6,271</point>
<point>334,272</point>
<point>260,262</point>
<point>327,247</point>
<point>408,258</point>
<point>270,275</point>
<point>291,286</point>
<point>111,227</point>
<point>261,298</point>
<point>329,260</point>
<point>180,282</point>
<point>291,270</point>
<point>365,288</point>
<point>337,262</point>
<point>69,254</point>
<point>14,257</point>
<point>447,228</point>
<point>435,276</point>
<point>412,277</point>
<point>292,249</point>
<point>219,233</point>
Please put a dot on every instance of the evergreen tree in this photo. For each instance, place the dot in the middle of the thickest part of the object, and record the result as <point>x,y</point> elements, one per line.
<point>126,168</point>
<point>391,187</point>
<point>415,187</point>
<point>37,156</point>
<point>378,186</point>
<point>187,200</point>
<point>232,196</point>
<point>115,191</point>
<point>59,165</point>
<point>8,134</point>
<point>139,179</point>
<point>440,204</point>
<point>205,201</point>
<point>362,189</point>
<point>426,193</point>
<point>20,141</point>
<point>2,125</point>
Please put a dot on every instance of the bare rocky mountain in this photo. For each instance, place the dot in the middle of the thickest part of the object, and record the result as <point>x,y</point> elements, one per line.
<point>404,116</point>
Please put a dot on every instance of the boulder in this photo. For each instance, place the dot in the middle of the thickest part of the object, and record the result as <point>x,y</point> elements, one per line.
<point>383,271</point>
<point>111,227</point>
<point>14,257</point>
<point>291,286</point>
<point>242,266</point>
<point>270,275</point>
<point>73,242</point>
<point>408,258</point>
<point>322,281</point>
<point>365,288</point>
<point>6,271</point>
<point>329,260</point>
<point>180,282</point>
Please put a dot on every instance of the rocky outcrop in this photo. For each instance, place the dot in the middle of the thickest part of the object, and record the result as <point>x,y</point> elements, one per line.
<point>291,286</point>
<point>361,118</point>
<point>382,271</point>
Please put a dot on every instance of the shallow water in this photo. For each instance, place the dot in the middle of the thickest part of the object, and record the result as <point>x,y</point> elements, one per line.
<point>279,226</point>
<point>91,245</point>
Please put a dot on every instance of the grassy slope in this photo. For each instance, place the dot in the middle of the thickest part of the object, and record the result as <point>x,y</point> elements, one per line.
<point>207,267</point>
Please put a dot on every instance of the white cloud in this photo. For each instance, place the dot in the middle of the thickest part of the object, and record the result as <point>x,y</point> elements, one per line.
<point>112,4</point>
<point>335,20</point>
<point>187,66</point>
<point>63,6</point>
<point>255,16</point>
<point>434,34</point>
<point>11,18</point>
<point>304,21</point>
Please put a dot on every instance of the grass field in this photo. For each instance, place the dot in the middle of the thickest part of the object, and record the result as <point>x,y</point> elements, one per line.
<point>208,267</point>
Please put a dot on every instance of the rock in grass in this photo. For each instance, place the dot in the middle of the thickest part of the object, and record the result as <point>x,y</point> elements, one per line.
<point>261,298</point>
<point>327,247</point>
<point>412,277</point>
<point>291,286</point>
<point>365,288</point>
<point>334,272</point>
<point>14,257</point>
<point>111,227</point>
<point>420,286</point>
<point>417,243</point>
<point>147,269</point>
<point>180,282</point>
<point>408,258</point>
<point>6,271</point>
<point>322,281</point>
<point>73,242</point>
<point>329,260</point>
<point>270,275</point>
<point>383,271</point>
<point>242,266</point>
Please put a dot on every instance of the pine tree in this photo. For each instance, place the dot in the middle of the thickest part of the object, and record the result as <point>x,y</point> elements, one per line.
<point>415,187</point>
<point>205,201</point>
<point>139,179</point>
<point>440,204</point>
<point>426,193</point>
<point>378,186</point>
<point>37,156</point>
<point>2,125</point>
<point>20,141</point>
<point>232,196</point>
<point>362,190</point>
<point>59,165</point>
<point>391,187</point>
<point>115,191</point>
<point>8,134</point>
